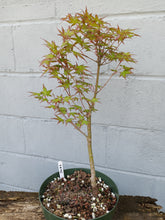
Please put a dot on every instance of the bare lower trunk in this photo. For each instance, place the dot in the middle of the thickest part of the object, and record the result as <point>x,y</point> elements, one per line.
<point>89,131</point>
<point>91,160</point>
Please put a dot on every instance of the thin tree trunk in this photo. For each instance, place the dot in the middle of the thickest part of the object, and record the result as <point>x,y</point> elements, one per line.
<point>90,153</point>
<point>89,135</point>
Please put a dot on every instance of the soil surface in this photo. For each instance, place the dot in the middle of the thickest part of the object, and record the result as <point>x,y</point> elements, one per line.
<point>25,206</point>
<point>73,197</point>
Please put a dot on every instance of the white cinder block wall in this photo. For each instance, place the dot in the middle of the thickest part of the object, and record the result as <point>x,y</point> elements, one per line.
<point>129,129</point>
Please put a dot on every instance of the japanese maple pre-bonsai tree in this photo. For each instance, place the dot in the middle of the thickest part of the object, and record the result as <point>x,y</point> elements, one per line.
<point>87,41</point>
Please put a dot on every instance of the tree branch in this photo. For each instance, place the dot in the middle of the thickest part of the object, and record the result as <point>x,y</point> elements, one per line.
<point>115,72</point>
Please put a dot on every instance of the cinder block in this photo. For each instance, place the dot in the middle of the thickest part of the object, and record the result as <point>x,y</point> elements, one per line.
<point>34,35</point>
<point>11,134</point>
<point>99,141</point>
<point>135,102</point>
<point>63,8</point>
<point>136,150</point>
<point>21,12</point>
<point>27,172</point>
<point>23,2</point>
<point>47,139</point>
<point>7,187</point>
<point>29,44</point>
<point>132,103</point>
<point>107,7</point>
<point>6,51</point>
<point>17,99</point>
<point>23,171</point>
<point>147,49</point>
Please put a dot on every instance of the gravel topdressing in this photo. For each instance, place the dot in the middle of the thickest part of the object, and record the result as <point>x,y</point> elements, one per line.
<point>73,198</point>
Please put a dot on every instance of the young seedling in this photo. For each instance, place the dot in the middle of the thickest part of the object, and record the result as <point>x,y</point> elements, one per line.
<point>88,40</point>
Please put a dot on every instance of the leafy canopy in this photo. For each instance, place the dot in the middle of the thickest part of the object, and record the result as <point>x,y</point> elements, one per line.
<point>87,38</point>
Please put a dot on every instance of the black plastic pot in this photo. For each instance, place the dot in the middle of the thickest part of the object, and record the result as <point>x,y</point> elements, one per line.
<point>50,216</point>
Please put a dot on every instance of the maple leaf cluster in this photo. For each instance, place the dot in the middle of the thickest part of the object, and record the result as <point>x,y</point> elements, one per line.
<point>87,38</point>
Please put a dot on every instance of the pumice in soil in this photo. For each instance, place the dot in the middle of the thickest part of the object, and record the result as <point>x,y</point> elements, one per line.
<point>72,197</point>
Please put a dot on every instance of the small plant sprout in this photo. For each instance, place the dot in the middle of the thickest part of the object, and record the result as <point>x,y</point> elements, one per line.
<point>87,41</point>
